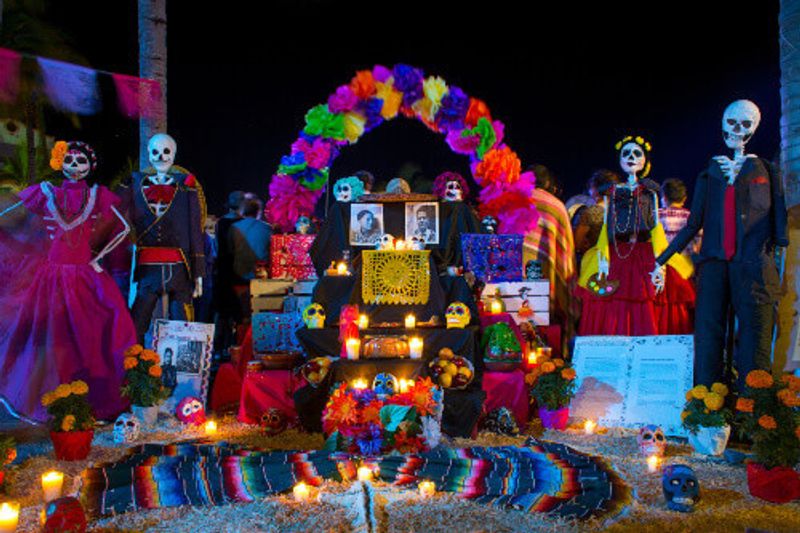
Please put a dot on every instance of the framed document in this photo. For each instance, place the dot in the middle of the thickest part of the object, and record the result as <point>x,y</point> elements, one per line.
<point>185,351</point>
<point>633,381</point>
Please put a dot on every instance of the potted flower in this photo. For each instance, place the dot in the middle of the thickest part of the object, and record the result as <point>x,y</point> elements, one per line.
<point>71,428</point>
<point>767,410</point>
<point>143,385</point>
<point>706,418</point>
<point>553,386</point>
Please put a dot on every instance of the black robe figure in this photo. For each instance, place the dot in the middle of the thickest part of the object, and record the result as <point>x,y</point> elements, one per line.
<point>740,207</point>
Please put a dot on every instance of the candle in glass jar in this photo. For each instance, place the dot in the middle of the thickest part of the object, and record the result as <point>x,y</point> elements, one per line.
<point>653,463</point>
<point>211,428</point>
<point>341,269</point>
<point>353,348</point>
<point>363,322</point>
<point>52,482</point>
<point>301,492</point>
<point>415,348</point>
<point>589,426</point>
<point>9,517</point>
<point>411,321</point>
<point>427,489</point>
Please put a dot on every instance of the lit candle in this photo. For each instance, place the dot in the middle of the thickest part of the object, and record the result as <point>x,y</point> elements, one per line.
<point>211,428</point>
<point>363,322</point>
<point>415,348</point>
<point>42,516</point>
<point>359,384</point>
<point>353,348</point>
<point>653,463</point>
<point>400,245</point>
<point>588,427</point>
<point>427,489</point>
<point>406,384</point>
<point>533,355</point>
<point>365,473</point>
<point>496,307</point>
<point>9,517</point>
<point>411,321</point>
<point>51,485</point>
<point>301,492</point>
<point>341,269</point>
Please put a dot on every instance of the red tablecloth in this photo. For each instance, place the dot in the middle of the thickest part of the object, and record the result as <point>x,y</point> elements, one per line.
<point>270,388</point>
<point>507,389</point>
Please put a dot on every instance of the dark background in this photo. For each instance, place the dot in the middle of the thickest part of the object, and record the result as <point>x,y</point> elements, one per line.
<point>567,81</point>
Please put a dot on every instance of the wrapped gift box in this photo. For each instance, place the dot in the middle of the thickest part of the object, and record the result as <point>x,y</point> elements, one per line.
<point>514,294</point>
<point>274,332</point>
<point>289,257</point>
<point>493,258</point>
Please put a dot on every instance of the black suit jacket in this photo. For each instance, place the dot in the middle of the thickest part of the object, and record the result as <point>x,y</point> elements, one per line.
<point>760,212</point>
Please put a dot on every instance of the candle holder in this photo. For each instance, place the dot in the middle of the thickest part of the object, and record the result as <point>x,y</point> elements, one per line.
<point>52,482</point>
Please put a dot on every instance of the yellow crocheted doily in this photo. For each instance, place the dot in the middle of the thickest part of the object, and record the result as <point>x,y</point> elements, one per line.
<point>395,277</point>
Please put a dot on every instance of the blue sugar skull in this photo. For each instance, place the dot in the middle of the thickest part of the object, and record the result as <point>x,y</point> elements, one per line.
<point>681,488</point>
<point>385,385</point>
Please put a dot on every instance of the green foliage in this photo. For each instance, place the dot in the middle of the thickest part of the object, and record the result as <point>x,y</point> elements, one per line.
<point>553,391</point>
<point>705,408</point>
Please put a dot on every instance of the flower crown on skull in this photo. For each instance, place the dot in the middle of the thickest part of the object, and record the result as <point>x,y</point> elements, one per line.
<point>61,148</point>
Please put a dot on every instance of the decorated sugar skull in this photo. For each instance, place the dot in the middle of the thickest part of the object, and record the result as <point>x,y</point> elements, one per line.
<point>450,187</point>
<point>651,440</point>
<point>457,315</point>
<point>398,186</point>
<point>161,150</point>
<point>314,316</point>
<point>126,428</point>
<point>190,410</point>
<point>681,488</point>
<point>75,159</point>
<point>634,156</point>
<point>385,385</point>
<point>416,242</point>
<point>273,421</point>
<point>739,123</point>
<point>386,242</point>
<point>489,224</point>
<point>348,189</point>
<point>303,225</point>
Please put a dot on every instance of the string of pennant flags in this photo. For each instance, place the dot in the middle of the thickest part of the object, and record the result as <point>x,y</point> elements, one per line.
<point>74,88</point>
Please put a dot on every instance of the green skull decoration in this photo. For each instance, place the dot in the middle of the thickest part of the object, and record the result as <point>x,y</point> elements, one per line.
<point>314,316</point>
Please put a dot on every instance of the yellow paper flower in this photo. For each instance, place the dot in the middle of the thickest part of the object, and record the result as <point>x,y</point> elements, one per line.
<point>79,387</point>
<point>62,391</point>
<point>392,98</point>
<point>700,392</point>
<point>435,89</point>
<point>720,388</point>
<point>713,401</point>
<point>353,126</point>
<point>68,423</point>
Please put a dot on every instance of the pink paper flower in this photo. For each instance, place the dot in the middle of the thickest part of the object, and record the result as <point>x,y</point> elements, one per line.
<point>288,201</point>
<point>343,100</point>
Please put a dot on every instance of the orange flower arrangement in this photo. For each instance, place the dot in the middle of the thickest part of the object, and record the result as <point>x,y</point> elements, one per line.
<point>767,422</point>
<point>759,379</point>
<point>548,367</point>
<point>143,377</point>
<point>552,389</point>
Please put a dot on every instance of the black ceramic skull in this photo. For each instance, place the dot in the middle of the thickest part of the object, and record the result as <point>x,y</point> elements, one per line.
<point>681,488</point>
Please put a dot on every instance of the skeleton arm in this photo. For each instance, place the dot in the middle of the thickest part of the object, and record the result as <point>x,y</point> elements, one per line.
<point>113,243</point>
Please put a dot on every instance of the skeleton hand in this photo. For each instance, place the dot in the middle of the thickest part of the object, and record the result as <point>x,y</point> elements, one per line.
<point>198,288</point>
<point>657,277</point>
<point>96,266</point>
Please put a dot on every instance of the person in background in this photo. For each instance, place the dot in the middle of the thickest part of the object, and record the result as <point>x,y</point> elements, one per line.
<point>673,215</point>
<point>204,311</point>
<point>248,244</point>
<point>588,221</point>
<point>366,178</point>
<point>225,303</point>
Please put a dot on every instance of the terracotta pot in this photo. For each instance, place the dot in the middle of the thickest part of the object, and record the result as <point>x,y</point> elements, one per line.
<point>72,445</point>
<point>554,419</point>
<point>710,440</point>
<point>777,485</point>
<point>146,415</point>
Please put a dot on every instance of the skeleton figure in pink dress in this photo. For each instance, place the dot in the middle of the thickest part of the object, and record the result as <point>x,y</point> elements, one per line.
<point>62,317</point>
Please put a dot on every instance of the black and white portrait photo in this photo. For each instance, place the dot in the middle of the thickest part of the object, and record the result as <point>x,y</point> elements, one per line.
<point>185,351</point>
<point>422,220</point>
<point>366,224</point>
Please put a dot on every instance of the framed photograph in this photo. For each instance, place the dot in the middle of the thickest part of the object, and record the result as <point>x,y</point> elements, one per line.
<point>185,351</point>
<point>422,220</point>
<point>366,224</point>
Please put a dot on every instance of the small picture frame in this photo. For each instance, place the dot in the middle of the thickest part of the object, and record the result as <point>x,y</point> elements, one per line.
<point>366,224</point>
<point>185,351</point>
<point>422,220</point>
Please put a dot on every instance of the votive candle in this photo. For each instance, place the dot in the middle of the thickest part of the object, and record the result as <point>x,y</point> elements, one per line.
<point>365,473</point>
<point>301,492</point>
<point>9,517</point>
<point>353,348</point>
<point>363,322</point>
<point>341,269</point>
<point>589,427</point>
<point>411,321</point>
<point>360,384</point>
<point>427,488</point>
<point>653,463</point>
<point>52,482</point>
<point>415,348</point>
<point>211,428</point>
<point>496,307</point>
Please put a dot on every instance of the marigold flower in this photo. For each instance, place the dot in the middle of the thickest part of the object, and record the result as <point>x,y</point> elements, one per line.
<point>134,350</point>
<point>68,424</point>
<point>548,366</point>
<point>759,379</point>
<point>79,387</point>
<point>700,392</point>
<point>62,391</point>
<point>767,422</point>
<point>558,362</point>
<point>745,405</point>
<point>713,401</point>
<point>530,379</point>
<point>793,382</point>
<point>568,373</point>
<point>47,398</point>
<point>720,388</point>
<point>130,362</point>
<point>788,398</point>
<point>155,371</point>
<point>149,355</point>
<point>689,396</point>
<point>57,155</point>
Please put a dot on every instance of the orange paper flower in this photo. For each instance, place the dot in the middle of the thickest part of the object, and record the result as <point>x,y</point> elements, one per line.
<point>477,109</point>
<point>759,379</point>
<point>155,371</point>
<point>568,373</point>
<point>130,362</point>
<point>745,405</point>
<point>363,84</point>
<point>548,367</point>
<point>767,422</point>
<point>57,155</point>
<point>499,165</point>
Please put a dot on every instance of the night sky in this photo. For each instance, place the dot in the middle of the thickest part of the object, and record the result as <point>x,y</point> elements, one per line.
<point>568,82</point>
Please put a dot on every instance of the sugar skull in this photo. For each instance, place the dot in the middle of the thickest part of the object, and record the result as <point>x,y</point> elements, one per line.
<point>161,150</point>
<point>458,315</point>
<point>77,162</point>
<point>450,187</point>
<point>386,242</point>
<point>489,224</point>
<point>314,316</point>
<point>126,428</point>
<point>273,421</point>
<point>739,123</point>
<point>651,440</point>
<point>634,157</point>
<point>416,242</point>
<point>681,488</point>
<point>190,410</point>
<point>303,225</point>
<point>348,189</point>
<point>385,385</point>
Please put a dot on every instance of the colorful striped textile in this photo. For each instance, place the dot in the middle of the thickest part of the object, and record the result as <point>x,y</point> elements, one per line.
<point>540,477</point>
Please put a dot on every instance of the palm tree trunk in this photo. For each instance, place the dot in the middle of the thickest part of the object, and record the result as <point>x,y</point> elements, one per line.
<point>153,65</point>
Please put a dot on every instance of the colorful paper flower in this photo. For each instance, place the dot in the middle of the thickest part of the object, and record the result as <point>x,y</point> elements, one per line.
<point>316,153</point>
<point>453,110</point>
<point>363,84</point>
<point>371,441</point>
<point>408,80</point>
<point>477,110</point>
<point>466,145</point>
<point>353,126</point>
<point>371,109</point>
<point>320,121</point>
<point>391,98</point>
<point>484,131</point>
<point>343,100</point>
<point>292,164</point>
<point>288,201</point>
<point>499,165</point>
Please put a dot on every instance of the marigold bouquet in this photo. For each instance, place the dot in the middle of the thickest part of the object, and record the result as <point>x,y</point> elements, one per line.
<point>706,408</point>
<point>143,377</point>
<point>69,407</point>
<point>768,412</point>
<point>552,383</point>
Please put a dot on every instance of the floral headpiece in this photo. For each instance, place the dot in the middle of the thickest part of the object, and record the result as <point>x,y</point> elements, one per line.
<point>62,147</point>
<point>57,155</point>
<point>644,144</point>
<point>440,183</point>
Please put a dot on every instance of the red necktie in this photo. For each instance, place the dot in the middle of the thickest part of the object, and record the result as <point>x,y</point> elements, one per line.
<point>729,223</point>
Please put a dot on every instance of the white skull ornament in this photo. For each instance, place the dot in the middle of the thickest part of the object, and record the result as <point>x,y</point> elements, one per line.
<point>632,158</point>
<point>458,315</point>
<point>453,191</point>
<point>739,123</point>
<point>652,441</point>
<point>161,149</point>
<point>416,242</point>
<point>76,165</point>
<point>126,428</point>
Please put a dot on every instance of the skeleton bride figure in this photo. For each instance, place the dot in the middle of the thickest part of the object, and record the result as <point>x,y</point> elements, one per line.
<point>62,317</point>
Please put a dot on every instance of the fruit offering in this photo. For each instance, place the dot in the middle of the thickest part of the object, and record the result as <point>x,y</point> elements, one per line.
<point>316,370</point>
<point>451,371</point>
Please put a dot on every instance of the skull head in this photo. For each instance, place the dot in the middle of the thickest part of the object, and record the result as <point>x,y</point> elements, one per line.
<point>489,224</point>
<point>314,316</point>
<point>348,189</point>
<point>681,488</point>
<point>453,192</point>
<point>385,385</point>
<point>303,225</point>
<point>126,428</point>
<point>190,410</point>
<point>416,242</point>
<point>273,421</point>
<point>739,123</point>
<point>632,158</point>
<point>161,149</point>
<point>398,186</point>
<point>386,242</point>
<point>458,315</point>
<point>652,441</point>
<point>77,165</point>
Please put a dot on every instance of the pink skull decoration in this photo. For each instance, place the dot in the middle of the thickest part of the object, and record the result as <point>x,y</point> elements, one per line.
<point>190,410</point>
<point>652,441</point>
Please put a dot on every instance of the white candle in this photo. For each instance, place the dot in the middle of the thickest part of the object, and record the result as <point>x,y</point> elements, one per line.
<point>359,384</point>
<point>52,482</point>
<point>400,245</point>
<point>363,322</point>
<point>9,517</point>
<point>365,473</point>
<point>411,321</point>
<point>653,463</point>
<point>406,384</point>
<point>353,348</point>
<point>427,489</point>
<point>301,492</point>
<point>415,348</point>
<point>588,427</point>
<point>341,269</point>
<point>211,428</point>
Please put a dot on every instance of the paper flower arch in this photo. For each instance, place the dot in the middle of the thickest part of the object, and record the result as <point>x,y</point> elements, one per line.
<point>380,94</point>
